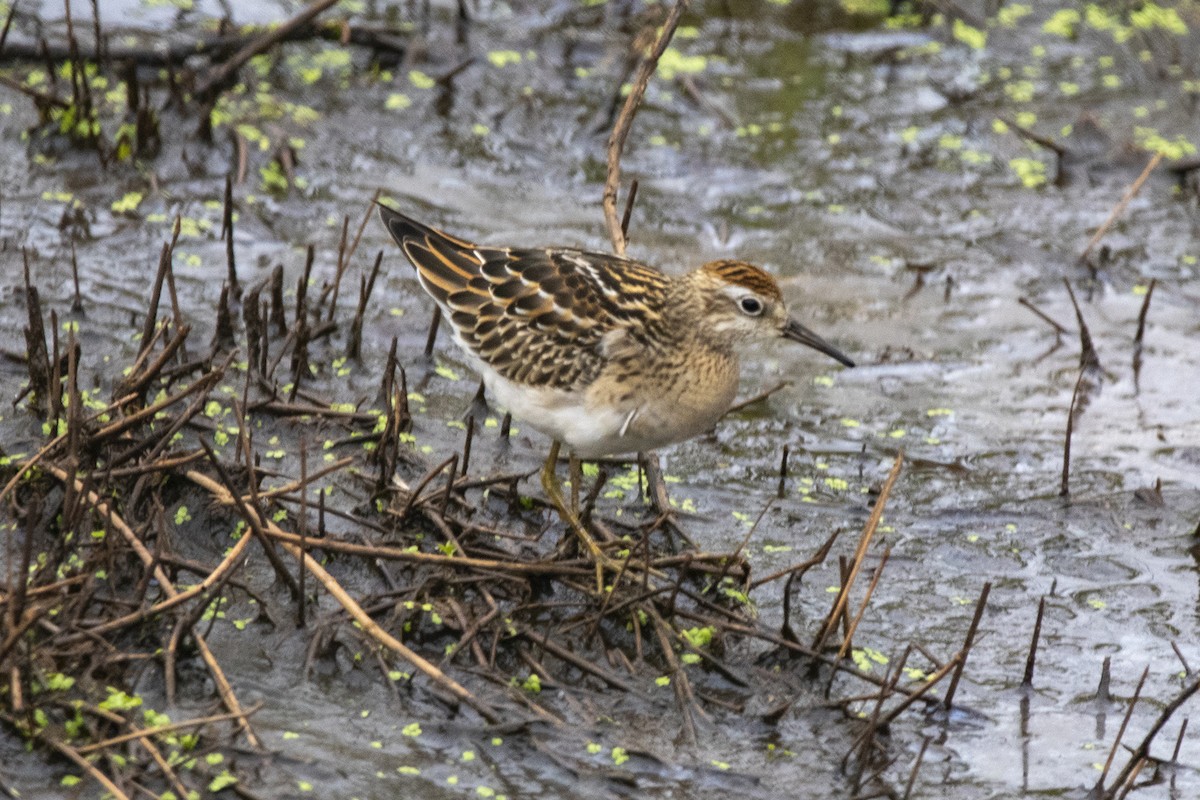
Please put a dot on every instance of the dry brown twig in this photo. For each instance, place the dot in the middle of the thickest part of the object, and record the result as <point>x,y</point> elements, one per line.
<point>860,554</point>
<point>291,543</point>
<point>849,637</point>
<point>158,730</point>
<point>620,131</point>
<point>1119,208</point>
<point>221,75</point>
<point>105,511</point>
<point>71,754</point>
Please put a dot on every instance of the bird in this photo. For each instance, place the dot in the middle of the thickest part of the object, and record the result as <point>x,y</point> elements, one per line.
<point>602,353</point>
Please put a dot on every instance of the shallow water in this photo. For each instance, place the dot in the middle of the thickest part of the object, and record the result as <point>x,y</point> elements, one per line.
<point>862,166</point>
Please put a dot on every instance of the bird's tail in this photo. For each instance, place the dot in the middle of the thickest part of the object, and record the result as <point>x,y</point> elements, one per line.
<point>404,228</point>
<point>445,264</point>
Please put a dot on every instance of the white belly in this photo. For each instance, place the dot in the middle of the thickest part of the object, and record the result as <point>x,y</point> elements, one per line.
<point>591,428</point>
<point>564,416</point>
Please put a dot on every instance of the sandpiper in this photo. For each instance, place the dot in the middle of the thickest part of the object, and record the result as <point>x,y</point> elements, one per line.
<point>601,353</point>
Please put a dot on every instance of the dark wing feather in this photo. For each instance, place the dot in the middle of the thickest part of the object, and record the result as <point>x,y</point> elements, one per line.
<point>537,316</point>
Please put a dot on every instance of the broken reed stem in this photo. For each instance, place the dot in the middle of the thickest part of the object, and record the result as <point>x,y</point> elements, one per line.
<point>758,398</point>
<point>1141,326</point>
<point>866,601</point>
<point>343,260</point>
<point>362,226</point>
<point>1187,670</point>
<point>223,330</point>
<point>303,525</point>
<point>860,554</point>
<point>1142,751</point>
<point>1128,785</point>
<point>77,298</point>
<point>1112,753</point>
<point>1043,316</point>
<point>433,329</point>
<point>37,358</point>
<point>629,201</point>
<point>278,315</point>
<point>54,387</point>
<point>158,730</point>
<point>12,11</point>
<point>227,235</point>
<point>164,266</point>
<point>451,471</point>
<point>1088,357</point>
<point>620,131</point>
<point>1065,487</point>
<point>916,767</point>
<point>366,285</point>
<point>465,461</point>
<point>1183,726</point>
<point>1104,685</point>
<point>783,472</point>
<point>926,685</point>
<point>798,570</point>
<point>1031,659</point>
<point>1121,205</point>
<point>967,644</point>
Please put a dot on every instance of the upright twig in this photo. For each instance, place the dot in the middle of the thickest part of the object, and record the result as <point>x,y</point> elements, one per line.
<point>620,131</point>
<point>1112,753</point>
<point>1142,751</point>
<point>1141,326</point>
<point>227,235</point>
<point>1031,659</point>
<point>860,554</point>
<point>1065,486</point>
<point>948,702</point>
<point>1089,358</point>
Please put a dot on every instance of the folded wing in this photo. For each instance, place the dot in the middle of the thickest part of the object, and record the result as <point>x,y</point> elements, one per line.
<point>537,316</point>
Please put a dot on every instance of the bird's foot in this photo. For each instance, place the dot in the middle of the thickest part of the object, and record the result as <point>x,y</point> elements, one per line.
<point>570,515</point>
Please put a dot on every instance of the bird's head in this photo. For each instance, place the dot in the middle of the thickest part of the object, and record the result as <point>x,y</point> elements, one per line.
<point>743,305</point>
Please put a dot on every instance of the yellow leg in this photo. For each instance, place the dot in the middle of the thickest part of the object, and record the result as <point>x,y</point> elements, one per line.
<point>554,491</point>
<point>575,473</point>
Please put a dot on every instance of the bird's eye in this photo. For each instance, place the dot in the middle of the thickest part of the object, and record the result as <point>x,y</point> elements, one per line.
<point>751,306</point>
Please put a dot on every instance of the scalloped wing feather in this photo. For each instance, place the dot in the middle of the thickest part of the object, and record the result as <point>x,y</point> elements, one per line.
<point>540,317</point>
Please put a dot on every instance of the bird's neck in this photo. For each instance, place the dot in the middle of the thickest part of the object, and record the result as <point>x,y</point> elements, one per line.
<point>687,310</point>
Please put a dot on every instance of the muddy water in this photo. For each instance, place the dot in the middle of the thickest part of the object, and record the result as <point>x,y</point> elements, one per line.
<point>864,166</point>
